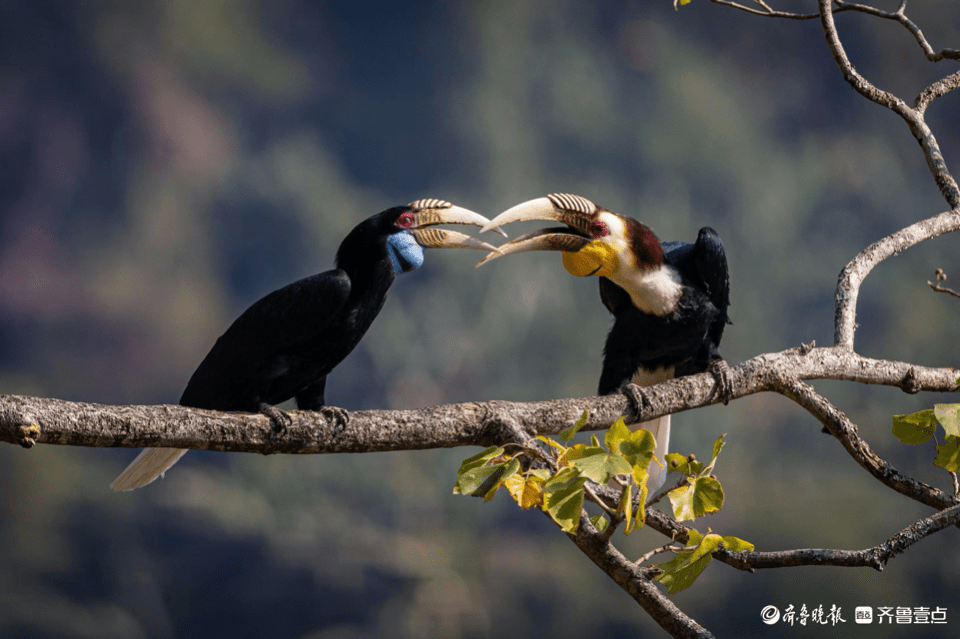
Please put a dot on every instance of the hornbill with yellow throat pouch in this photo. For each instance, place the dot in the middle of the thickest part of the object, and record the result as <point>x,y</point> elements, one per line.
<point>669,300</point>
<point>287,343</point>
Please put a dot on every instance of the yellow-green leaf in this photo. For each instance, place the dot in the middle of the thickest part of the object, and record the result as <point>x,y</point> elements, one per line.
<point>949,417</point>
<point>638,450</point>
<point>676,462</point>
<point>555,444</point>
<point>617,433</point>
<point>597,464</point>
<point>526,490</point>
<point>710,542</point>
<point>717,447</point>
<point>599,522</point>
<point>563,478</point>
<point>915,428</point>
<point>567,435</point>
<point>700,496</point>
<point>680,574</point>
<point>735,544</point>
<point>565,504</point>
<point>948,454</point>
<point>626,507</point>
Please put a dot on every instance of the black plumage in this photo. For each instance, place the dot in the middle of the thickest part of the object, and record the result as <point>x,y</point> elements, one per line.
<point>669,300</point>
<point>686,339</point>
<point>286,343</point>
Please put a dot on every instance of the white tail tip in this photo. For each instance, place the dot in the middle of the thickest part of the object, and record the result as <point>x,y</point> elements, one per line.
<point>149,464</point>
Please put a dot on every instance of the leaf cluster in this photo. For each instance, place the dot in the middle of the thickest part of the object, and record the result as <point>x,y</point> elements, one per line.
<point>918,428</point>
<point>556,477</point>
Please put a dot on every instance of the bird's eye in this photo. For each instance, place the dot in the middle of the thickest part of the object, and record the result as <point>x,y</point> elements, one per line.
<point>405,220</point>
<point>598,229</point>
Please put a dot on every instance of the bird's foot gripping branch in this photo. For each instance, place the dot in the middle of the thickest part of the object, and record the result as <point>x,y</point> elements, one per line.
<point>557,476</point>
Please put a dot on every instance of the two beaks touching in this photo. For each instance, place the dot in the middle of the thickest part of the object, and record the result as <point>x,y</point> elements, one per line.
<point>669,301</point>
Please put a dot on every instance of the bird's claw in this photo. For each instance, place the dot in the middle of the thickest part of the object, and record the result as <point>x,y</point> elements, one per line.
<point>337,416</point>
<point>723,376</point>
<point>281,421</point>
<point>636,398</point>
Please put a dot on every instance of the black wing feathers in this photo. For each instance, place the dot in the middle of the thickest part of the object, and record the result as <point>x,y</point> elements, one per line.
<point>261,346</point>
<point>687,339</point>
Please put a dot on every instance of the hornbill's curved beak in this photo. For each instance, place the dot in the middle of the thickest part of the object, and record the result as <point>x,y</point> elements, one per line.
<point>430,212</point>
<point>576,212</point>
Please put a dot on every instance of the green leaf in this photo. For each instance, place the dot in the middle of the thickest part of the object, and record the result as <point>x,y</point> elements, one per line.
<point>676,463</point>
<point>470,482</point>
<point>567,435</point>
<point>470,471</point>
<point>565,504</point>
<point>640,516</point>
<point>526,490</point>
<point>563,478</point>
<point>679,574</point>
<point>480,459</point>
<point>626,507</point>
<point>597,464</point>
<point>735,544</point>
<point>915,428</point>
<point>510,469</point>
<point>561,449</point>
<point>702,495</point>
<point>717,447</point>
<point>638,450</point>
<point>599,522</point>
<point>949,417</point>
<point>948,454</point>
<point>617,433</point>
<point>681,571</point>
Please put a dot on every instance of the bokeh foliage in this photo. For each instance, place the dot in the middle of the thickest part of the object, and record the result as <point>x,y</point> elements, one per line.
<point>167,163</point>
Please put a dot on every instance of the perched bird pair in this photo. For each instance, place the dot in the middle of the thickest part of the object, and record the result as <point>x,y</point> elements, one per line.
<point>669,302</point>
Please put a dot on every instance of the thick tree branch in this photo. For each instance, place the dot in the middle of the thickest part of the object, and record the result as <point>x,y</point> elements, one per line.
<point>468,424</point>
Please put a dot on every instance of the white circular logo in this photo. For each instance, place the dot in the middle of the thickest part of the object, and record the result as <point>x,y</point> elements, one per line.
<point>770,615</point>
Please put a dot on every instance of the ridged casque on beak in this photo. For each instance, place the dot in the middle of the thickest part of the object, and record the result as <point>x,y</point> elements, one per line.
<point>578,213</point>
<point>431,212</point>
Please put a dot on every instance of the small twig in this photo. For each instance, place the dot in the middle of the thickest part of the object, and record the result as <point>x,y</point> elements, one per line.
<point>941,289</point>
<point>941,276</point>
<point>663,492</point>
<point>592,496</point>
<point>670,547</point>
<point>956,484</point>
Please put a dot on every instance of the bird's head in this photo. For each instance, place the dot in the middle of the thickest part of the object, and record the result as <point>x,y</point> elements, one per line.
<point>406,230</point>
<point>594,241</point>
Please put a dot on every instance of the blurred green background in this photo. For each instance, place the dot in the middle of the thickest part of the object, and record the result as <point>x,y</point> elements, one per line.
<point>165,164</point>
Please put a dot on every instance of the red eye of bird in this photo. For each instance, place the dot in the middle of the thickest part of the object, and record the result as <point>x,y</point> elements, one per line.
<point>598,229</point>
<point>405,220</point>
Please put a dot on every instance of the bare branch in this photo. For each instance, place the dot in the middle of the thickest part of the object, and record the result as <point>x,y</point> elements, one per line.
<point>853,274</point>
<point>931,150</point>
<point>766,11</point>
<point>936,90</point>
<point>846,431</point>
